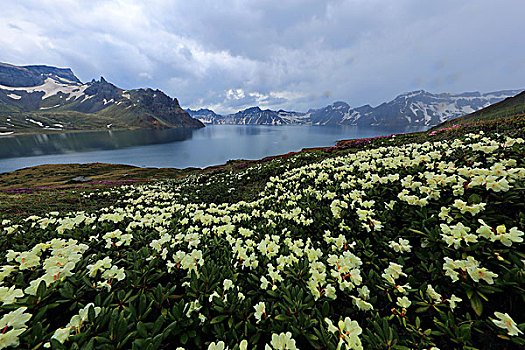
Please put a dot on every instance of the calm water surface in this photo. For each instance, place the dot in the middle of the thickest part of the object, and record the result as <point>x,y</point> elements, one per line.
<point>177,148</point>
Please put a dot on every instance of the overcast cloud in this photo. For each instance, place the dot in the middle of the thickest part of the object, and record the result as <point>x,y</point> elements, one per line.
<point>290,54</point>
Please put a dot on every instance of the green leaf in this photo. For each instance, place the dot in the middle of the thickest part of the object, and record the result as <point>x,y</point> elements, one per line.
<point>422,309</point>
<point>476,305</point>
<point>36,333</point>
<point>55,344</point>
<point>40,313</point>
<point>470,293</point>
<point>474,199</point>
<point>102,340</point>
<point>184,338</point>
<point>89,345</point>
<point>218,319</point>
<point>141,329</point>
<point>326,309</point>
<point>482,296</point>
<point>272,293</point>
<point>91,314</point>
<point>67,291</point>
<point>158,324</point>
<point>312,337</point>
<point>121,330</point>
<point>142,304</point>
<point>41,290</point>
<point>282,317</point>
<point>157,341</point>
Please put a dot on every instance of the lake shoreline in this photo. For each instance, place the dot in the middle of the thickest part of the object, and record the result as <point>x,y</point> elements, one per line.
<point>114,172</point>
<point>174,148</point>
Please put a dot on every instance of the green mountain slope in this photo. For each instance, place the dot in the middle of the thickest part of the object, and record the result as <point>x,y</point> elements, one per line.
<point>41,99</point>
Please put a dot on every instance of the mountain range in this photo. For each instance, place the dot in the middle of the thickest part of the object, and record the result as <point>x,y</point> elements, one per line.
<point>42,98</point>
<point>417,108</point>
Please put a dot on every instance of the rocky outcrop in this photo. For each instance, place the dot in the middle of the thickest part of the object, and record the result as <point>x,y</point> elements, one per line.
<point>18,76</point>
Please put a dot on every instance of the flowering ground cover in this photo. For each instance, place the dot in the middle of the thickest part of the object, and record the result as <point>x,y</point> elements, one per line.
<point>399,242</point>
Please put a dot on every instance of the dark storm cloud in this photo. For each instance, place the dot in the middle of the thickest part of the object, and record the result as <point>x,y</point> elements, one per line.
<point>290,54</point>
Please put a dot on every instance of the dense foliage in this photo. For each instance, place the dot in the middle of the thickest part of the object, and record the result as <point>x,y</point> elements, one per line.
<point>394,246</point>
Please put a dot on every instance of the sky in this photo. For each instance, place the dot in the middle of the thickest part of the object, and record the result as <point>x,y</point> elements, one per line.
<point>279,54</point>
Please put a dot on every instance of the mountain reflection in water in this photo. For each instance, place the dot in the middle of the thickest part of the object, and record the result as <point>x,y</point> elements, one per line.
<point>176,148</point>
<point>35,145</point>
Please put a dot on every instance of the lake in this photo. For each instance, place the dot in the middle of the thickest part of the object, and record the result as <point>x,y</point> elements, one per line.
<point>177,148</point>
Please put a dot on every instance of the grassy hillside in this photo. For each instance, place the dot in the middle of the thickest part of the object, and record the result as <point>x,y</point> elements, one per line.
<point>69,120</point>
<point>508,108</point>
<point>401,242</point>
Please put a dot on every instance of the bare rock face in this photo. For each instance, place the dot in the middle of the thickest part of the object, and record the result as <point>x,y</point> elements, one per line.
<point>33,75</point>
<point>18,76</point>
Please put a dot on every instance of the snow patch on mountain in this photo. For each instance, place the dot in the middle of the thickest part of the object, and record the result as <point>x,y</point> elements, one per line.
<point>40,124</point>
<point>51,107</point>
<point>14,96</point>
<point>51,87</point>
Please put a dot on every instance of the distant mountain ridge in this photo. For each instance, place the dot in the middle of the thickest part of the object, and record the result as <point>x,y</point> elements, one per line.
<point>48,98</point>
<point>417,108</point>
<point>207,116</point>
<point>510,107</point>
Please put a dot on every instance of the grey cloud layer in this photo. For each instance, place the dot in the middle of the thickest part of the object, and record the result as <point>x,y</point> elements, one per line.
<point>287,54</point>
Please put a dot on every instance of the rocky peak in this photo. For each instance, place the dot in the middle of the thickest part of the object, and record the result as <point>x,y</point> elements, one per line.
<point>252,110</point>
<point>107,90</point>
<point>411,94</point>
<point>339,104</point>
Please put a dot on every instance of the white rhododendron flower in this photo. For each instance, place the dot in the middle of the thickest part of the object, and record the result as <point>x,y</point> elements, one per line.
<point>454,235</point>
<point>506,322</point>
<point>403,302</point>
<point>401,246</point>
<point>500,234</point>
<point>227,284</point>
<point>283,341</point>
<point>393,272</point>
<point>361,304</point>
<point>431,293</point>
<point>9,295</point>
<point>16,319</point>
<point>260,310</point>
<point>217,346</point>
<point>453,300</point>
<point>13,324</point>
